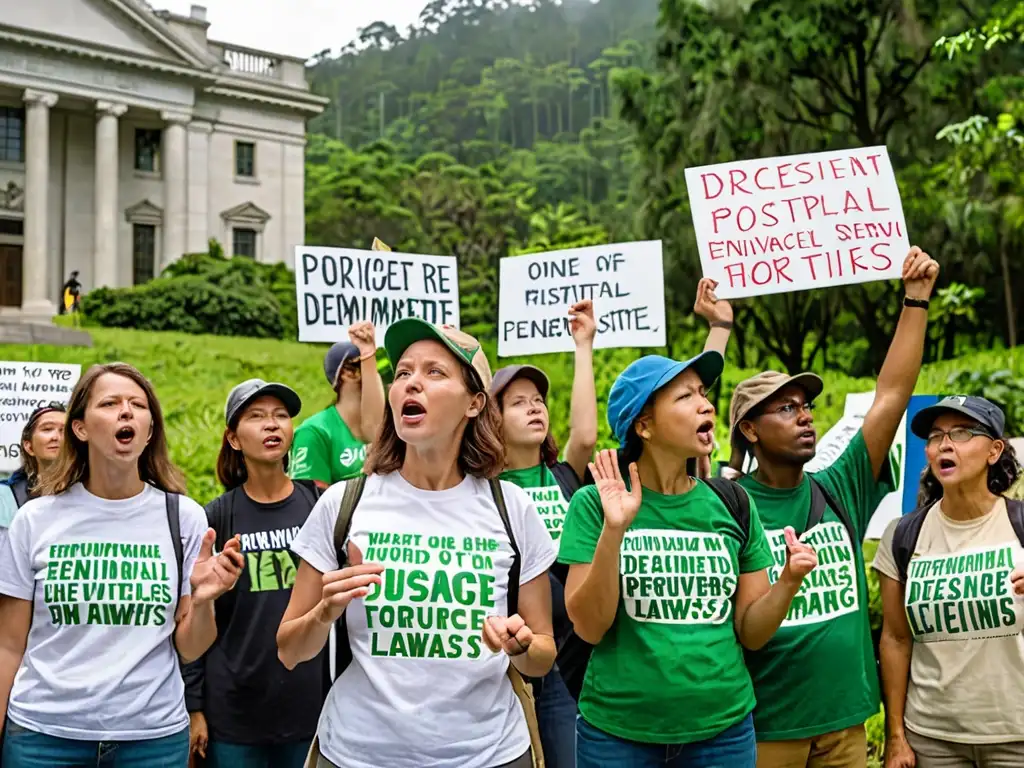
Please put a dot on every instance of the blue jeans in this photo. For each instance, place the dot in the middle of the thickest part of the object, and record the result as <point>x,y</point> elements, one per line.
<point>556,716</point>
<point>28,749</point>
<point>735,747</point>
<point>224,754</point>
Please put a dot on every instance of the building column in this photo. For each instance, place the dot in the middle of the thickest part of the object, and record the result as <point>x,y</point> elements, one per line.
<point>36,304</point>
<point>105,272</point>
<point>198,186</point>
<point>175,158</point>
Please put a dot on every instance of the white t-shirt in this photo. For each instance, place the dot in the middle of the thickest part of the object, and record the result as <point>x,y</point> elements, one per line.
<point>99,664</point>
<point>423,689</point>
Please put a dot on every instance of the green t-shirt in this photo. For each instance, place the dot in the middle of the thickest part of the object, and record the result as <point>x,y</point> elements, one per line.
<point>670,669</point>
<point>818,673</point>
<point>325,449</point>
<point>540,485</point>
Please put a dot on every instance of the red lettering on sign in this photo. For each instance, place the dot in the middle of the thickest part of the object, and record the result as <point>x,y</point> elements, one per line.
<point>757,179</point>
<point>707,192</point>
<point>718,215</point>
<point>735,185</point>
<point>715,247</point>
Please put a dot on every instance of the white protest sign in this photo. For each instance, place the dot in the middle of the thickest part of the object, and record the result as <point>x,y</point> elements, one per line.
<point>624,280</point>
<point>792,223</point>
<point>23,388</point>
<point>336,287</point>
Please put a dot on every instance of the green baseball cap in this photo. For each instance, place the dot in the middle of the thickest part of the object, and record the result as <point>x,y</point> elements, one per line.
<point>467,350</point>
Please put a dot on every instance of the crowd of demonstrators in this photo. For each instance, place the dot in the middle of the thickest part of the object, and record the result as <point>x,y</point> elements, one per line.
<point>952,652</point>
<point>331,445</point>
<point>430,485</point>
<point>103,578</point>
<point>438,535</point>
<point>532,463</point>
<point>800,722</point>
<point>246,710</point>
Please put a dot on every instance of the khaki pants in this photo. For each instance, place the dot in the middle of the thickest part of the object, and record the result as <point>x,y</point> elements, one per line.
<point>935,753</point>
<point>847,748</point>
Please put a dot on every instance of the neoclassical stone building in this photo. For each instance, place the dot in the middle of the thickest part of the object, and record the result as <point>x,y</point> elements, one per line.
<point>127,138</point>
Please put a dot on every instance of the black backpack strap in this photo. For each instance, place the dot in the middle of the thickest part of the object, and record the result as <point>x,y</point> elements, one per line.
<point>822,497</point>
<point>517,560</point>
<point>1015,509</point>
<point>309,490</point>
<point>904,540</point>
<point>20,490</point>
<point>349,502</point>
<point>172,502</point>
<point>736,501</point>
<point>566,477</point>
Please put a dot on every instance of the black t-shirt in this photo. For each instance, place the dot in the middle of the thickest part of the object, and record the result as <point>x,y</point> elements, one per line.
<point>247,695</point>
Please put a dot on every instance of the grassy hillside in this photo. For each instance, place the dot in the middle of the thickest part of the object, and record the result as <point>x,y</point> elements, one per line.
<point>193,374</point>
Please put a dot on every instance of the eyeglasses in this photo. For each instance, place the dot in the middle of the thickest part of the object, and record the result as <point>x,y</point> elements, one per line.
<point>789,410</point>
<point>958,435</point>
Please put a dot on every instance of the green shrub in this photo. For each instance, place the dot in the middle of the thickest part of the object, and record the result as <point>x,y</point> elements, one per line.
<point>191,304</point>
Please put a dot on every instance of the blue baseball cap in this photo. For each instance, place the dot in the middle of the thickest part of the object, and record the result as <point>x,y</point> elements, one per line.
<point>637,384</point>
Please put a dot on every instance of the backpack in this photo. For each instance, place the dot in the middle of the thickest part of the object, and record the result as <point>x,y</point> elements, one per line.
<point>19,488</point>
<point>908,530</point>
<point>343,523</point>
<point>574,654</point>
<point>821,497</point>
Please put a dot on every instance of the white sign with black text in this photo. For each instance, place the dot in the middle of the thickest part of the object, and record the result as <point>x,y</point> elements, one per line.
<point>624,280</point>
<point>23,388</point>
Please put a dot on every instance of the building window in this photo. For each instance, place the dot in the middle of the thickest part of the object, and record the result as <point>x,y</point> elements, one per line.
<point>243,242</point>
<point>147,149</point>
<point>143,252</point>
<point>245,159</point>
<point>12,135</point>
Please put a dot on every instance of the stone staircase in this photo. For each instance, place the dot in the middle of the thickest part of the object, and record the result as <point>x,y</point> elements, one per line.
<point>13,331</point>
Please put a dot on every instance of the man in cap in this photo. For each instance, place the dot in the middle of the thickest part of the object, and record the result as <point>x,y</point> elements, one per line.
<point>330,446</point>
<point>816,681</point>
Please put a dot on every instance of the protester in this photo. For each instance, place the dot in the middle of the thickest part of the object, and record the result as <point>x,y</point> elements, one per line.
<point>951,649</point>
<point>666,684</point>
<point>330,446</point>
<point>801,720</point>
<point>40,445</point>
<point>531,462</point>
<point>443,572</point>
<point>113,570</point>
<point>251,711</point>
<point>71,295</point>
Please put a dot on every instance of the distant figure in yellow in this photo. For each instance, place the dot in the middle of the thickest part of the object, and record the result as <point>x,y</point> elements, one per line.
<point>71,295</point>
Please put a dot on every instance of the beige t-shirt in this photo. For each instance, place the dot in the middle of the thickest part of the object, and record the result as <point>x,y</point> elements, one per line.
<point>967,665</point>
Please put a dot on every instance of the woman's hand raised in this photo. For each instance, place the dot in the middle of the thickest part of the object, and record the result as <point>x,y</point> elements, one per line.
<point>620,505</point>
<point>343,586</point>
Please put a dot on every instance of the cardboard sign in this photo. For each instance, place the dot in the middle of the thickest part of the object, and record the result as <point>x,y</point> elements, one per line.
<point>336,287</point>
<point>793,223</point>
<point>23,388</point>
<point>624,280</point>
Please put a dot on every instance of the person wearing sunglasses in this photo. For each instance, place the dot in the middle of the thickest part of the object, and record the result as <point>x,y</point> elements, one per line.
<point>40,445</point>
<point>827,634</point>
<point>952,651</point>
<point>330,446</point>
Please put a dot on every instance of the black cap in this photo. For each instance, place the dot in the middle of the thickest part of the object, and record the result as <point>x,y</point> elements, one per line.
<point>336,357</point>
<point>250,389</point>
<point>989,415</point>
<point>505,376</point>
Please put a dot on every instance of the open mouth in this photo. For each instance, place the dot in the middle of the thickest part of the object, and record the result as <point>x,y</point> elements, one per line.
<point>125,435</point>
<point>539,423</point>
<point>413,412</point>
<point>706,432</point>
<point>946,466</point>
<point>807,437</point>
<point>272,441</point>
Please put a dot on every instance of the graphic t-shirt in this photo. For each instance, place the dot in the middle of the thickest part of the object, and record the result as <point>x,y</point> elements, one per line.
<point>670,669</point>
<point>540,485</point>
<point>422,688</point>
<point>325,449</point>
<point>827,634</point>
<point>99,664</point>
<point>967,664</point>
<point>248,696</point>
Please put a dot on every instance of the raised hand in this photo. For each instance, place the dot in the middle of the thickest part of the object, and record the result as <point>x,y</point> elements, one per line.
<point>920,271</point>
<point>581,323</point>
<point>213,575</point>
<point>363,336</point>
<point>343,586</point>
<point>709,306</point>
<point>620,505</point>
<point>801,559</point>
<point>507,633</point>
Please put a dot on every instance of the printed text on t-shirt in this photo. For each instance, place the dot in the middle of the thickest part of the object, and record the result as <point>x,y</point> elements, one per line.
<point>551,506</point>
<point>830,590</point>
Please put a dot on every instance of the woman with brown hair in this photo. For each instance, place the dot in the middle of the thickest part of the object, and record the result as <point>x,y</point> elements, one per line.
<point>246,710</point>
<point>40,446</point>
<point>441,579</point>
<point>112,568</point>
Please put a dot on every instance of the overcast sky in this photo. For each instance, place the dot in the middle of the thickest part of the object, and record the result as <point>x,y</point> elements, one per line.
<point>296,27</point>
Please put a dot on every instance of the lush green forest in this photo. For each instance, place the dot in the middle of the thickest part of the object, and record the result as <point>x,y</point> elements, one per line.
<point>489,129</point>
